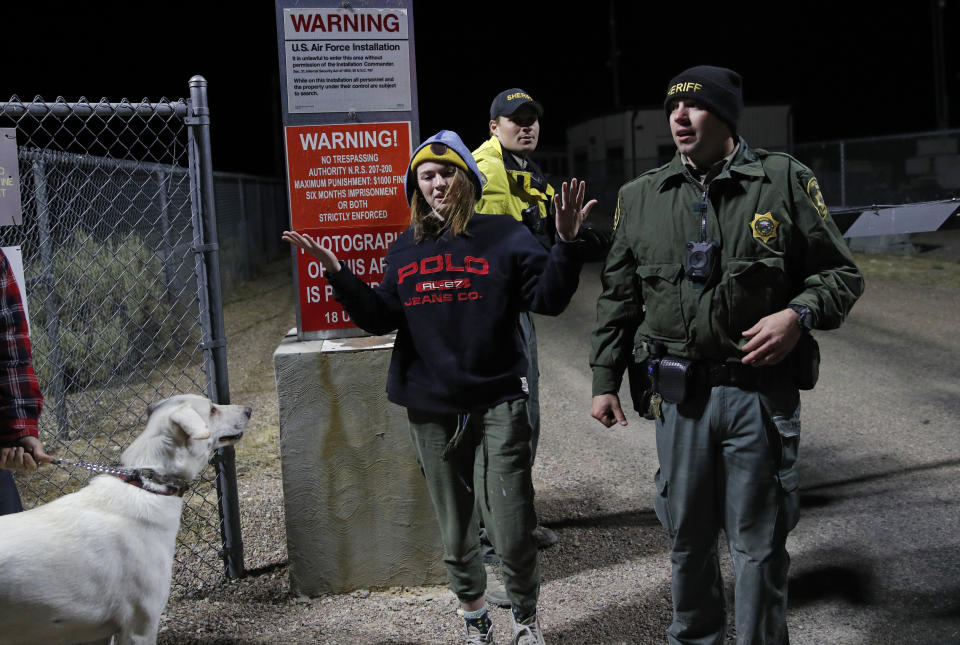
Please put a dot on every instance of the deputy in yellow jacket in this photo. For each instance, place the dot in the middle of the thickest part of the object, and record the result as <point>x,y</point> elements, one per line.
<point>515,184</point>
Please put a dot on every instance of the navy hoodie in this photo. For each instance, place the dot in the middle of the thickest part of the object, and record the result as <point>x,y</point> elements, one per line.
<point>454,302</point>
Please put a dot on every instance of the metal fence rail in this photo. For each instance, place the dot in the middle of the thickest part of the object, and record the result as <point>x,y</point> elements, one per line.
<point>900,169</point>
<point>117,240</point>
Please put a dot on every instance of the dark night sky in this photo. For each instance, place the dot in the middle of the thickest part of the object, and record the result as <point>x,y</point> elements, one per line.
<point>849,69</point>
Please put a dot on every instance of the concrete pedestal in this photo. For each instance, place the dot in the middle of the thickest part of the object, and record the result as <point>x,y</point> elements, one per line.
<point>357,510</point>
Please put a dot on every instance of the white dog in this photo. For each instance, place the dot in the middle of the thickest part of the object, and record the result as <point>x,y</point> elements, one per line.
<point>98,562</point>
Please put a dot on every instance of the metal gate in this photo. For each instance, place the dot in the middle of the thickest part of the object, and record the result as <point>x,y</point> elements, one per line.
<point>119,247</point>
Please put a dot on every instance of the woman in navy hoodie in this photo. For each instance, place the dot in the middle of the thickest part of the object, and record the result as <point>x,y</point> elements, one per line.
<point>454,285</point>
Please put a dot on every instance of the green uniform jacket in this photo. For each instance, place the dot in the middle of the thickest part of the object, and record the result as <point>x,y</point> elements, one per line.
<point>779,246</point>
<point>509,190</point>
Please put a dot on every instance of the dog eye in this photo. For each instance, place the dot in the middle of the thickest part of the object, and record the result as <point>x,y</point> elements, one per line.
<point>214,410</point>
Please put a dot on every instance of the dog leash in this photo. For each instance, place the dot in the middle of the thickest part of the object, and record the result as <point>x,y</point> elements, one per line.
<point>146,478</point>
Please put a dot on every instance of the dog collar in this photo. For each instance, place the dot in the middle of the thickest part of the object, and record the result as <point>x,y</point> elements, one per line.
<point>149,480</point>
<point>146,478</point>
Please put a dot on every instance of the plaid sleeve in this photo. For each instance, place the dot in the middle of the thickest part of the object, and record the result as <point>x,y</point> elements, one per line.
<point>20,397</point>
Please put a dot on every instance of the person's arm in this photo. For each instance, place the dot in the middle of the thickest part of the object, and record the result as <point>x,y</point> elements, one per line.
<point>376,310</point>
<point>20,398</point>
<point>618,314</point>
<point>831,284</point>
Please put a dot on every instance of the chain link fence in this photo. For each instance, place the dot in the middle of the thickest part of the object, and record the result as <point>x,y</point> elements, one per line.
<point>900,169</point>
<point>118,281</point>
<point>251,215</point>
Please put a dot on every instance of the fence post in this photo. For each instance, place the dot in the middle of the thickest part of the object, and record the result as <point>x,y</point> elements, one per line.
<point>244,232</point>
<point>216,346</point>
<point>52,326</point>
<point>263,234</point>
<point>166,246</point>
<point>843,174</point>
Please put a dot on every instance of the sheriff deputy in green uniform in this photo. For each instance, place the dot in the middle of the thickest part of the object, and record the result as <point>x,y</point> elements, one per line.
<point>722,262</point>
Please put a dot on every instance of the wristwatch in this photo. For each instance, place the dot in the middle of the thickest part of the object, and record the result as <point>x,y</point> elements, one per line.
<point>804,316</point>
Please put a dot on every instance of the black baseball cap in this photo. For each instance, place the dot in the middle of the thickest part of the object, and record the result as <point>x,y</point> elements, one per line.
<point>509,101</point>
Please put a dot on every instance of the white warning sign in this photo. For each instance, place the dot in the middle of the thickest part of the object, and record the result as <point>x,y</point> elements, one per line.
<point>342,60</point>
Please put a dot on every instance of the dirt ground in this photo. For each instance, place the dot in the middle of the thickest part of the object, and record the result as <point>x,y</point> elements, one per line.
<point>874,556</point>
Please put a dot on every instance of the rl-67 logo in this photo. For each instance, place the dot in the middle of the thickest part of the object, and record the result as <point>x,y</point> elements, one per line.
<point>443,285</point>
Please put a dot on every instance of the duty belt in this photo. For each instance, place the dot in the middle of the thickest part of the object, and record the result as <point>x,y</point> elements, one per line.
<point>711,373</point>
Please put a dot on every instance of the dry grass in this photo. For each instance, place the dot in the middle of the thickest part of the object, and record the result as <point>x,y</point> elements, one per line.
<point>253,333</point>
<point>912,269</point>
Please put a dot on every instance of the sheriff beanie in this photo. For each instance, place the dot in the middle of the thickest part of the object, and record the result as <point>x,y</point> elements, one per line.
<point>719,89</point>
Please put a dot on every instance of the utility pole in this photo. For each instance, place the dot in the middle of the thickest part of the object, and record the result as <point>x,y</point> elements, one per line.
<point>614,55</point>
<point>941,101</point>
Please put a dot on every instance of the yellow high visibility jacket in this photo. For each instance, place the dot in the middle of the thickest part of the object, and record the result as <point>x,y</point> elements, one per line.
<point>525,195</point>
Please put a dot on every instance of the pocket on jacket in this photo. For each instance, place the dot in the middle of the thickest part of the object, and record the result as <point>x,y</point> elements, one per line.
<point>755,288</point>
<point>663,313</point>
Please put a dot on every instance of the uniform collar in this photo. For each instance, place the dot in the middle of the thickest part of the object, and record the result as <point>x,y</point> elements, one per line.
<point>713,171</point>
<point>744,162</point>
<point>536,177</point>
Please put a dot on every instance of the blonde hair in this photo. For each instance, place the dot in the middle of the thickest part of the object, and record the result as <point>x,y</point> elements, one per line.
<point>460,204</point>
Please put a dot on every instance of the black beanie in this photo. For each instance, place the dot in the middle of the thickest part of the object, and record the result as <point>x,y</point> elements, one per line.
<point>719,89</point>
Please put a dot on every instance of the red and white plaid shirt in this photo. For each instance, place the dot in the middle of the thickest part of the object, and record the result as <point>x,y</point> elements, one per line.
<point>20,397</point>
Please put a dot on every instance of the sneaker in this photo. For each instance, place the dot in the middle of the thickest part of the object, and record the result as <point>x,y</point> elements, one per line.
<point>528,633</point>
<point>496,593</point>
<point>474,636</point>
<point>544,537</point>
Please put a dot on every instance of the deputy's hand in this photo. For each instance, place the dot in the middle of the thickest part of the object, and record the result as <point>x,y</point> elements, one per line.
<point>606,409</point>
<point>311,246</point>
<point>26,456</point>
<point>571,212</point>
<point>771,339</point>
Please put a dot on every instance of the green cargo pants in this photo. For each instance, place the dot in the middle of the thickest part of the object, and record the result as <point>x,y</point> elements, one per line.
<point>728,460</point>
<point>488,461</point>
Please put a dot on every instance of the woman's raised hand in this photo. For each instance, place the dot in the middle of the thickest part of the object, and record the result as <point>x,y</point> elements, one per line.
<point>311,246</point>
<point>571,212</point>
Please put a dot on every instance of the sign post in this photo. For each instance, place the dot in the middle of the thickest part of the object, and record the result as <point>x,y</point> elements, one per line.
<point>10,213</point>
<point>358,514</point>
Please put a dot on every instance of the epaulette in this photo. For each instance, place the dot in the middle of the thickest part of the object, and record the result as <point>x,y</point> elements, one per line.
<point>642,175</point>
<point>767,154</point>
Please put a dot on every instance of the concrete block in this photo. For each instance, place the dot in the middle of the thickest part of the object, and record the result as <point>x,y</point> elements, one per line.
<point>937,146</point>
<point>918,165</point>
<point>947,169</point>
<point>357,510</point>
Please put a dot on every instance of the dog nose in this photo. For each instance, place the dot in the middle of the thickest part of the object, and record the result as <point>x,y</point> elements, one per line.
<point>248,411</point>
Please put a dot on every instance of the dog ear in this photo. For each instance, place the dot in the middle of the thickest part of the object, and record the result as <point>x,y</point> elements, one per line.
<point>152,407</point>
<point>190,422</point>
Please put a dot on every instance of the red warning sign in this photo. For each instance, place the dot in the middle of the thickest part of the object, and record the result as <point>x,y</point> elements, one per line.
<point>346,190</point>
<point>348,174</point>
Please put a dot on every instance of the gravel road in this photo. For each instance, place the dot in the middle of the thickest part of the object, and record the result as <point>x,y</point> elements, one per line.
<point>876,556</point>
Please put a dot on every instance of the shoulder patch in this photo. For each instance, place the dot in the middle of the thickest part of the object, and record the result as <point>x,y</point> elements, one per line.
<point>816,197</point>
<point>483,179</point>
<point>616,217</point>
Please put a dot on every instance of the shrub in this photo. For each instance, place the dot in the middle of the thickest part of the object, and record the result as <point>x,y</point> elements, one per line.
<point>107,307</point>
